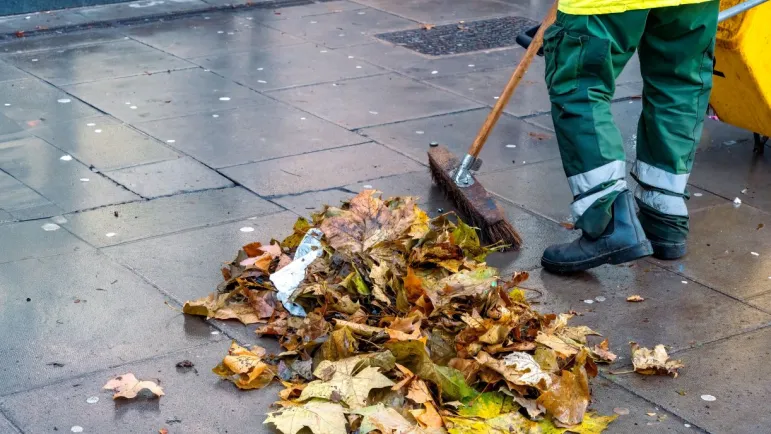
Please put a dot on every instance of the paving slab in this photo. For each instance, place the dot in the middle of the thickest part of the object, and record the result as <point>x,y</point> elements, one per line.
<point>58,40</point>
<point>283,13</point>
<point>511,144</point>
<point>373,100</point>
<point>419,66</point>
<point>37,212</point>
<point>320,170</point>
<point>73,323</point>
<point>440,11</point>
<point>168,178</point>
<point>25,240</point>
<point>731,169</point>
<point>720,256</point>
<point>67,183</point>
<point>307,203</point>
<point>343,29</point>
<point>727,370</point>
<point>107,60</point>
<point>30,103</point>
<point>105,143</point>
<point>165,95</point>
<point>209,34</point>
<point>137,9</point>
<point>15,195</point>
<point>10,73</point>
<point>249,134</point>
<point>6,427</point>
<point>40,21</point>
<point>165,215</point>
<point>543,188</point>
<point>607,397</point>
<point>680,315</point>
<point>186,265</point>
<point>530,98</point>
<point>64,405</point>
<point>276,68</point>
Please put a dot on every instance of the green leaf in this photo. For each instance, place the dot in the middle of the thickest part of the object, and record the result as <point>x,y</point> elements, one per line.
<point>413,355</point>
<point>301,226</point>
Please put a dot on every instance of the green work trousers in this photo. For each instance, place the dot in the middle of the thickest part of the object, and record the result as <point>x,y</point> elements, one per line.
<point>584,56</point>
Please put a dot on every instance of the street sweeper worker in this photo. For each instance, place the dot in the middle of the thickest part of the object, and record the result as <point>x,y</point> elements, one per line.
<point>585,50</point>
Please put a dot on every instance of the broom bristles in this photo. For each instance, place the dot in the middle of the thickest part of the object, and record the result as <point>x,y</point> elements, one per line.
<point>474,203</point>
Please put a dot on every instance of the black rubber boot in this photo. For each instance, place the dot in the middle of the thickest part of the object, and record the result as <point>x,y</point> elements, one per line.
<point>667,250</point>
<point>623,241</point>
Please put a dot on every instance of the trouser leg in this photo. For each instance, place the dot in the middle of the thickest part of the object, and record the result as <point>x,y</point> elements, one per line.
<point>676,58</point>
<point>584,55</point>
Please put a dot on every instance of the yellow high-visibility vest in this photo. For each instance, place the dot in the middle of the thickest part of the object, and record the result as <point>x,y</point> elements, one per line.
<point>595,7</point>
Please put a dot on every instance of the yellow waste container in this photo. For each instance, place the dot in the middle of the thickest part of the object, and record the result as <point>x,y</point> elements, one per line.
<point>742,82</point>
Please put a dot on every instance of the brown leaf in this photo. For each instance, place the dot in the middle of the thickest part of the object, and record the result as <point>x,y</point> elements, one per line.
<point>540,136</point>
<point>291,391</point>
<point>654,362</point>
<point>517,368</point>
<point>428,417</point>
<point>602,352</point>
<point>634,299</point>
<point>127,386</point>
<point>562,349</point>
<point>568,397</point>
<point>245,368</point>
<point>418,391</point>
<point>163,431</point>
<point>222,306</point>
<point>426,26</point>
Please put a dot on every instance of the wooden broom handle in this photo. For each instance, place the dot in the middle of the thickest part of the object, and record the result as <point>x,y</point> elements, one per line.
<point>511,86</point>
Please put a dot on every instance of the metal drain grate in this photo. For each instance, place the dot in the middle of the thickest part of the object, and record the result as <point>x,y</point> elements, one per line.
<point>462,37</point>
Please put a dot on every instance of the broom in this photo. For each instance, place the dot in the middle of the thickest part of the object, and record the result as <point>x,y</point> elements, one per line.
<point>455,178</point>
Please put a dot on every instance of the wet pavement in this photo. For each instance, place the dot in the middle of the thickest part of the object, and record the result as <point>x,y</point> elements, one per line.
<point>139,155</point>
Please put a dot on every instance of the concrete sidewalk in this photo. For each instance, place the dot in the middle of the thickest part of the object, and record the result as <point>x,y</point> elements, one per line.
<point>135,159</point>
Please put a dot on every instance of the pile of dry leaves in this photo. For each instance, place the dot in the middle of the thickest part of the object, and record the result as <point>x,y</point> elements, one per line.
<point>407,331</point>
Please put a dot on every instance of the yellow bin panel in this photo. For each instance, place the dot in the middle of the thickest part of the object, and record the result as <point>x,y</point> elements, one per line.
<point>742,85</point>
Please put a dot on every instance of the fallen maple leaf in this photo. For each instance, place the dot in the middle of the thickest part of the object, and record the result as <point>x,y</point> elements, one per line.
<point>428,417</point>
<point>426,26</point>
<point>127,386</point>
<point>319,417</point>
<point>654,362</point>
<point>634,299</point>
<point>383,419</point>
<point>350,385</point>
<point>567,399</point>
<point>245,368</point>
<point>602,353</point>
<point>163,431</point>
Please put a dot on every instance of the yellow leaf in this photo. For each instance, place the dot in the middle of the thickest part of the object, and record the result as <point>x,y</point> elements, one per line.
<point>635,299</point>
<point>345,382</point>
<point>428,417</point>
<point>127,386</point>
<point>383,419</point>
<point>245,368</point>
<point>319,417</point>
<point>654,362</point>
<point>592,424</point>
<point>488,405</point>
<point>563,349</point>
<point>504,424</point>
<point>222,306</point>
<point>568,397</point>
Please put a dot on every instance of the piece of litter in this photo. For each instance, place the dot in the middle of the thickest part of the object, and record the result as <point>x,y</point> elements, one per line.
<point>621,411</point>
<point>367,187</point>
<point>709,398</point>
<point>341,34</point>
<point>635,299</point>
<point>737,201</point>
<point>110,234</point>
<point>247,229</point>
<point>215,332</point>
<point>434,72</point>
<point>358,66</point>
<point>600,298</point>
<point>419,132</point>
<point>314,22</point>
<point>133,107</point>
<point>90,124</point>
<point>220,31</point>
<point>59,220</point>
<point>323,51</point>
<point>588,301</point>
<point>127,103</point>
<point>744,191</point>
<point>350,57</point>
<point>302,119</point>
<point>48,227</point>
<point>362,13</point>
<point>76,428</point>
<point>64,101</point>
<point>34,60</point>
<point>698,194</point>
<point>286,279</point>
<point>84,179</point>
<point>7,105</point>
<point>224,98</point>
<point>687,425</point>
<point>684,282</point>
<point>92,399</point>
<point>651,414</point>
<point>260,69</point>
<point>729,142</point>
<point>496,97</point>
<point>471,65</point>
<point>66,157</point>
<point>97,131</point>
<point>170,141</point>
<point>372,112</point>
<point>511,146</point>
<point>755,253</point>
<point>262,81</point>
<point>215,116</point>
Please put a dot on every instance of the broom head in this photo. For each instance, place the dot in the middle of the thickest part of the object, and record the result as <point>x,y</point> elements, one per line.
<point>474,202</point>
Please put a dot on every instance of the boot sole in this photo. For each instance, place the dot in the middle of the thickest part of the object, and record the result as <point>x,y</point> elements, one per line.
<point>617,257</point>
<point>669,252</point>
